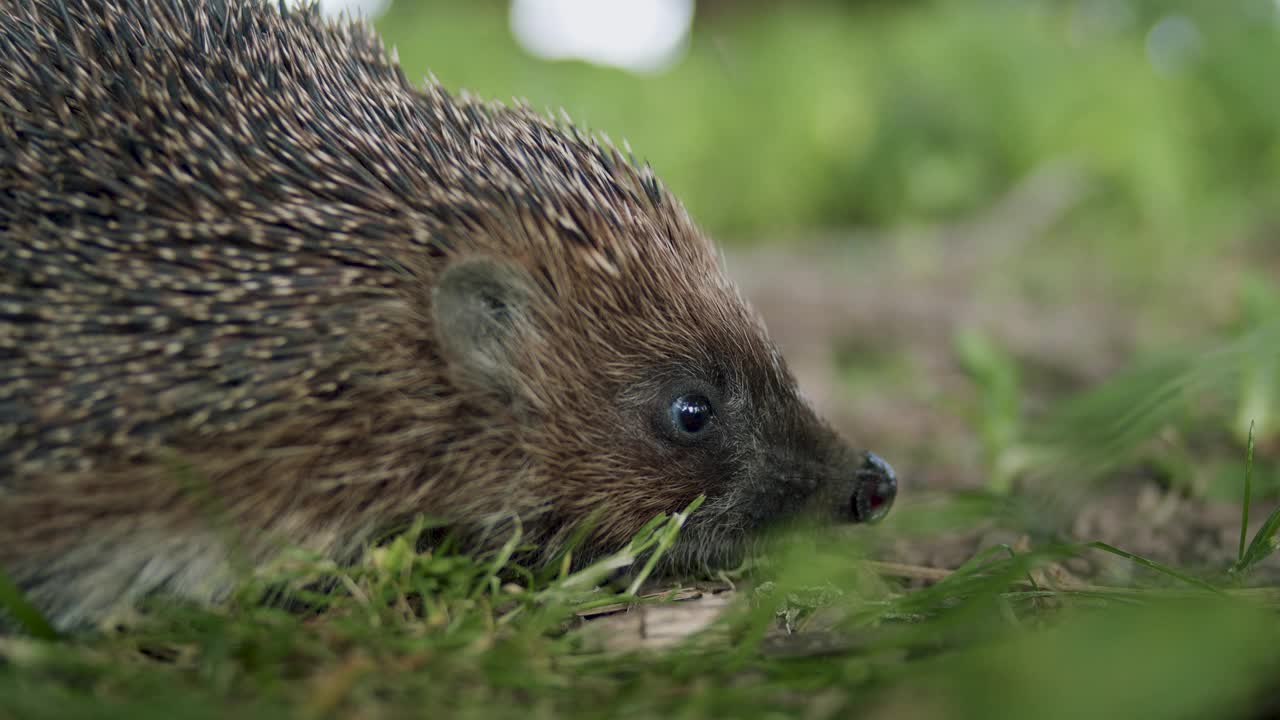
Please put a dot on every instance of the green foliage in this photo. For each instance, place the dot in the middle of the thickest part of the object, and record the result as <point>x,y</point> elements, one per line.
<point>1264,542</point>
<point>1259,397</point>
<point>1109,425</point>
<point>13,605</point>
<point>1125,663</point>
<point>462,636</point>
<point>1153,565</point>
<point>808,114</point>
<point>995,376</point>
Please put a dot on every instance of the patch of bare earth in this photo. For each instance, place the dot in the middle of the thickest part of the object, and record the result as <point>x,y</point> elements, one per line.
<point>887,301</point>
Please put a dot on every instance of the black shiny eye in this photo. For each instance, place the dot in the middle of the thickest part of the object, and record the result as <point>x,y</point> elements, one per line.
<point>691,414</point>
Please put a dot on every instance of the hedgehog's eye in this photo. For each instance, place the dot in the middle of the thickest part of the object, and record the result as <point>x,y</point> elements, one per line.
<point>691,415</point>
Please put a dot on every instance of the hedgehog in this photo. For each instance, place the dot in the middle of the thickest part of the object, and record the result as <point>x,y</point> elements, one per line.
<point>259,291</point>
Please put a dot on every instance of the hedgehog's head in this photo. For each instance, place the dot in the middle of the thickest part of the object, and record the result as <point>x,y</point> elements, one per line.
<point>635,376</point>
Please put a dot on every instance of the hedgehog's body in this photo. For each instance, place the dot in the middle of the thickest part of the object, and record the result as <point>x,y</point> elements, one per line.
<point>255,285</point>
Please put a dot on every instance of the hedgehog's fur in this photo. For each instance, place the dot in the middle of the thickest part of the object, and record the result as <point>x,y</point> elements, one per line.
<point>252,281</point>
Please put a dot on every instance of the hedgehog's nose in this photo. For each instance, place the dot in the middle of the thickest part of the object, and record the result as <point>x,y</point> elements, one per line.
<point>874,488</point>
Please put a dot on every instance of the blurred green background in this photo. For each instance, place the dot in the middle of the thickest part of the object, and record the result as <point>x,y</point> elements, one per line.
<point>806,114</point>
<point>1067,187</point>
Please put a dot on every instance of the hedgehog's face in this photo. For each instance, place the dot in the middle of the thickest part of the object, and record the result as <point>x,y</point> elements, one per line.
<point>732,426</point>
<point>628,412</point>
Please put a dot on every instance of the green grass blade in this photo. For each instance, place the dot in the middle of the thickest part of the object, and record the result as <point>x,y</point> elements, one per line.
<point>26,614</point>
<point>665,540</point>
<point>491,578</point>
<point>1153,565</point>
<point>1248,497</point>
<point>1263,543</point>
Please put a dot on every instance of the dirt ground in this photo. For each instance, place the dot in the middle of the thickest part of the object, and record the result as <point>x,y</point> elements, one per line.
<point>875,304</point>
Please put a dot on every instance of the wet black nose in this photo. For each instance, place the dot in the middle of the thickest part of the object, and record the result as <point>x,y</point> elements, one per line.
<point>874,489</point>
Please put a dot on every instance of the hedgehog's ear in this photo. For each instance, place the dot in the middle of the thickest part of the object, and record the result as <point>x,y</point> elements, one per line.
<point>479,306</point>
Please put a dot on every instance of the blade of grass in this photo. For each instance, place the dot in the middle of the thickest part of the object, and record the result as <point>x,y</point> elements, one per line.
<point>22,611</point>
<point>1248,496</point>
<point>491,578</point>
<point>665,541</point>
<point>1263,543</point>
<point>577,589</point>
<point>1153,565</point>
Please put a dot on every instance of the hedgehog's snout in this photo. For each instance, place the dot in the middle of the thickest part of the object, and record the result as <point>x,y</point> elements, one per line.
<point>874,488</point>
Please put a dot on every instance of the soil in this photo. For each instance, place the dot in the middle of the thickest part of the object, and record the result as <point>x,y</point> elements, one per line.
<point>874,303</point>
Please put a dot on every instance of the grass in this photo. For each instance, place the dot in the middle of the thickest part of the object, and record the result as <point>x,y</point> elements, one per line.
<point>1264,542</point>
<point>813,631</point>
<point>24,614</point>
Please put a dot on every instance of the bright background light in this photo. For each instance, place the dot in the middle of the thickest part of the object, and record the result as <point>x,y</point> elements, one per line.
<point>362,8</point>
<point>638,35</point>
